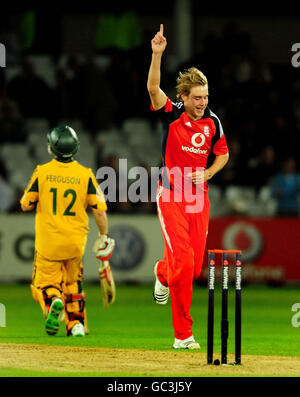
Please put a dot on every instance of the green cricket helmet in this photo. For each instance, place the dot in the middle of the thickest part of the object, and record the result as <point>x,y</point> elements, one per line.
<point>63,142</point>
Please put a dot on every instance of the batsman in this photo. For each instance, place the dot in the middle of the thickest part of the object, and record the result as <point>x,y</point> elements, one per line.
<point>60,192</point>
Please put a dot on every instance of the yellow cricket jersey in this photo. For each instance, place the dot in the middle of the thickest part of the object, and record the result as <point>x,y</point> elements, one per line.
<point>62,192</point>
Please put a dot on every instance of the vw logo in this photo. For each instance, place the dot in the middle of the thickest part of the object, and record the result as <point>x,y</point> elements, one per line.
<point>194,138</point>
<point>130,247</point>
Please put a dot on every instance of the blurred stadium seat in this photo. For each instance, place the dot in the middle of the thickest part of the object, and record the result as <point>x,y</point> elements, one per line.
<point>14,154</point>
<point>240,199</point>
<point>20,177</point>
<point>18,163</point>
<point>36,138</point>
<point>38,125</point>
<point>218,205</point>
<point>136,127</point>
<point>84,139</point>
<point>246,201</point>
<point>44,68</point>
<point>87,156</point>
<point>143,140</point>
<point>110,137</point>
<point>267,204</point>
<point>41,154</point>
<point>7,196</point>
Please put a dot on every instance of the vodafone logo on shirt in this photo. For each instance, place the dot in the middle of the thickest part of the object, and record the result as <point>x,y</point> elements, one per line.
<point>197,141</point>
<point>193,150</point>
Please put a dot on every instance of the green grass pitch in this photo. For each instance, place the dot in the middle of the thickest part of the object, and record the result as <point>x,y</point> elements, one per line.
<point>134,321</point>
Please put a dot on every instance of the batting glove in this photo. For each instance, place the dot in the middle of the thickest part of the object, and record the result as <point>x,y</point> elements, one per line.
<point>103,247</point>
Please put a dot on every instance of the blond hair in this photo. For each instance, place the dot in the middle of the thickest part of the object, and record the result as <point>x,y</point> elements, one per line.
<point>188,79</point>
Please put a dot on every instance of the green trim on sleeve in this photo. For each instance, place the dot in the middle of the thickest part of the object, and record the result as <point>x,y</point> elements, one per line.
<point>35,186</point>
<point>91,187</point>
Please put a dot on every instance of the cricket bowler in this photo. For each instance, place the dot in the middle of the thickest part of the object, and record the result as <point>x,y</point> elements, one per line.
<point>190,132</point>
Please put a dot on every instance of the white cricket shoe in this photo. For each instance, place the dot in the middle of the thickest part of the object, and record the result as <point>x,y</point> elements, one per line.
<point>78,330</point>
<point>188,343</point>
<point>160,292</point>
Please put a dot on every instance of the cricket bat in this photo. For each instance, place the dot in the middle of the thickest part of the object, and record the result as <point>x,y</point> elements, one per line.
<point>107,284</point>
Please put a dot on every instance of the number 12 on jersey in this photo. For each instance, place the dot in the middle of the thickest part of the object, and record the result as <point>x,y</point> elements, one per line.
<point>68,192</point>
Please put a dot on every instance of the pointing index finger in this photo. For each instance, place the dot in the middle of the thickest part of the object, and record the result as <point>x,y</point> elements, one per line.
<point>161,30</point>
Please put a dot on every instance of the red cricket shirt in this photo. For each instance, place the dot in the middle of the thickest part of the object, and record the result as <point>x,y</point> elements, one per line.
<point>186,144</point>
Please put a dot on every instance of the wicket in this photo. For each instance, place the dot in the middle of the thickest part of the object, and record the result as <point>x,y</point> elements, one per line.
<point>224,309</point>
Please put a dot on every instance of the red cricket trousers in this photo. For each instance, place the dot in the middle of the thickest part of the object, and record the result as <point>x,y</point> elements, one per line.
<point>185,238</point>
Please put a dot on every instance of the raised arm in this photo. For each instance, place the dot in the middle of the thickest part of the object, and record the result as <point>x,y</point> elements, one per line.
<point>157,96</point>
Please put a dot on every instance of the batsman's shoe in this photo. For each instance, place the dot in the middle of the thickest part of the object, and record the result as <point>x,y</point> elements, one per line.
<point>53,318</point>
<point>160,292</point>
<point>78,330</point>
<point>188,343</point>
